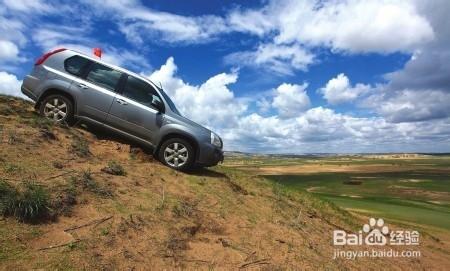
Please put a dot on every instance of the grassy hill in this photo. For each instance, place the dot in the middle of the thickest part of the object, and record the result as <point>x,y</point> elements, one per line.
<point>71,199</point>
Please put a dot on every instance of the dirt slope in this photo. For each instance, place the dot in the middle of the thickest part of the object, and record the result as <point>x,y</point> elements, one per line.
<point>156,218</point>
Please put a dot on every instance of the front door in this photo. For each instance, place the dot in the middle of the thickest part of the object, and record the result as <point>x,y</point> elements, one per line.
<point>132,110</point>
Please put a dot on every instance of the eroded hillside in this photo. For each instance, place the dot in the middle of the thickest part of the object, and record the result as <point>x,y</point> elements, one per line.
<point>109,206</point>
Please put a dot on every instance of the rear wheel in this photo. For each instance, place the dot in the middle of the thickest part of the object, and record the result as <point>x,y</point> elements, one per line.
<point>177,153</point>
<point>57,108</point>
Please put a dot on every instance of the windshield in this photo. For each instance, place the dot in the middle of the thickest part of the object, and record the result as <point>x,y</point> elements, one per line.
<point>169,102</point>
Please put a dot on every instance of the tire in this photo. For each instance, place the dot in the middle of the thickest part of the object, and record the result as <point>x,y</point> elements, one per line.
<point>57,108</point>
<point>172,152</point>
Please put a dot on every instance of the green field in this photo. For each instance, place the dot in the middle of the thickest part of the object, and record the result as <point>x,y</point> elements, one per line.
<point>409,191</point>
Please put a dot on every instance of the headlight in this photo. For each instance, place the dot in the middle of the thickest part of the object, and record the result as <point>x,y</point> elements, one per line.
<point>215,140</point>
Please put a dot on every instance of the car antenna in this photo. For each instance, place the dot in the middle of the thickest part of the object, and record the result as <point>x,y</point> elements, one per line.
<point>160,85</point>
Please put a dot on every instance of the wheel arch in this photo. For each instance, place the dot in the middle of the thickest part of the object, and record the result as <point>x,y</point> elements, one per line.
<point>52,91</point>
<point>184,136</point>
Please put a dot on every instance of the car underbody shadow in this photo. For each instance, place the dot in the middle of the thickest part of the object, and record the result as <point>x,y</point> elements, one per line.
<point>102,133</point>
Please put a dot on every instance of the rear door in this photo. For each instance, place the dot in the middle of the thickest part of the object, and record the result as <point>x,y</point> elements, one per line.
<point>132,110</point>
<point>96,88</point>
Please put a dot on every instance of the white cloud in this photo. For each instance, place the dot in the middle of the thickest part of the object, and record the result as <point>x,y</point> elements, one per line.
<point>11,30</point>
<point>8,51</point>
<point>291,100</point>
<point>317,129</point>
<point>351,25</point>
<point>281,59</point>
<point>339,90</point>
<point>291,28</point>
<point>139,23</point>
<point>51,36</point>
<point>249,21</point>
<point>28,5</point>
<point>410,105</point>
<point>323,130</point>
<point>212,103</point>
<point>264,105</point>
<point>10,85</point>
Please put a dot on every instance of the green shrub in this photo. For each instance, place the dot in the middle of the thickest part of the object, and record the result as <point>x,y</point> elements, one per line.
<point>29,203</point>
<point>8,195</point>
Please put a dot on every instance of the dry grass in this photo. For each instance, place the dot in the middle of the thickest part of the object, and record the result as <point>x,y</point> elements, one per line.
<point>221,218</point>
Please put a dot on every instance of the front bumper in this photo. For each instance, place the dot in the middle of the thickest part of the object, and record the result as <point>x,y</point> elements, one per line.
<point>209,155</point>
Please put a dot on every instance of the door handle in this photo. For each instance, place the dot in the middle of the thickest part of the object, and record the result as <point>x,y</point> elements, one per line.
<point>122,102</point>
<point>83,86</point>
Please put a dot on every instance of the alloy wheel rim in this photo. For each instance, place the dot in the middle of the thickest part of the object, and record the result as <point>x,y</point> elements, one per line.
<point>176,154</point>
<point>55,110</point>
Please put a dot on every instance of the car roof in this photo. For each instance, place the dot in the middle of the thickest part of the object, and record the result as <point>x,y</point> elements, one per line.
<point>114,67</point>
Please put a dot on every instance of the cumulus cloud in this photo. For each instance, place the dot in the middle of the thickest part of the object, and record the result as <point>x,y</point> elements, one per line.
<point>11,38</point>
<point>212,103</point>
<point>429,66</point>
<point>316,129</point>
<point>8,50</point>
<point>323,130</point>
<point>352,25</point>
<point>290,28</point>
<point>339,90</point>
<point>410,106</point>
<point>291,100</point>
<point>420,90</point>
<point>10,85</point>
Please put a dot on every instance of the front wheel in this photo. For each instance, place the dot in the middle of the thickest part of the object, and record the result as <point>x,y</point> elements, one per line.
<point>177,153</point>
<point>57,108</point>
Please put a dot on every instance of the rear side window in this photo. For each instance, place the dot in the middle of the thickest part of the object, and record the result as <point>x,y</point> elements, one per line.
<point>76,64</point>
<point>103,76</point>
<point>139,91</point>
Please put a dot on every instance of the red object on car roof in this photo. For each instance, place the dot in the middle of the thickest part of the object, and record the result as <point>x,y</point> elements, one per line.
<point>98,52</point>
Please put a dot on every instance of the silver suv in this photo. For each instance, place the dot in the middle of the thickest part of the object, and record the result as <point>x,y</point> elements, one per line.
<point>68,86</point>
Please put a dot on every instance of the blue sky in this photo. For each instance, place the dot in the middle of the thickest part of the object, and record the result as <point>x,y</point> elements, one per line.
<point>269,76</point>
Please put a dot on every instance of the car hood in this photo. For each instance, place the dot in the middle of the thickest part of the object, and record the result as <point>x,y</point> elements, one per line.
<point>185,120</point>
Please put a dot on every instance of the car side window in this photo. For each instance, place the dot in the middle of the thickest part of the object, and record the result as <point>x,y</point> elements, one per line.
<point>76,64</point>
<point>140,91</point>
<point>103,76</point>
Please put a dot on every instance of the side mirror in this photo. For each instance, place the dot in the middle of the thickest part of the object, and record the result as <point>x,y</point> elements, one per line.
<point>157,103</point>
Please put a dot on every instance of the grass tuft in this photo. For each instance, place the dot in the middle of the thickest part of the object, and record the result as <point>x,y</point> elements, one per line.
<point>29,203</point>
<point>89,183</point>
<point>80,147</point>
<point>114,168</point>
<point>37,121</point>
<point>184,209</point>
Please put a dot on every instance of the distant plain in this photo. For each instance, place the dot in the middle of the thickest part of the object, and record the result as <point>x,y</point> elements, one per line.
<point>408,189</point>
